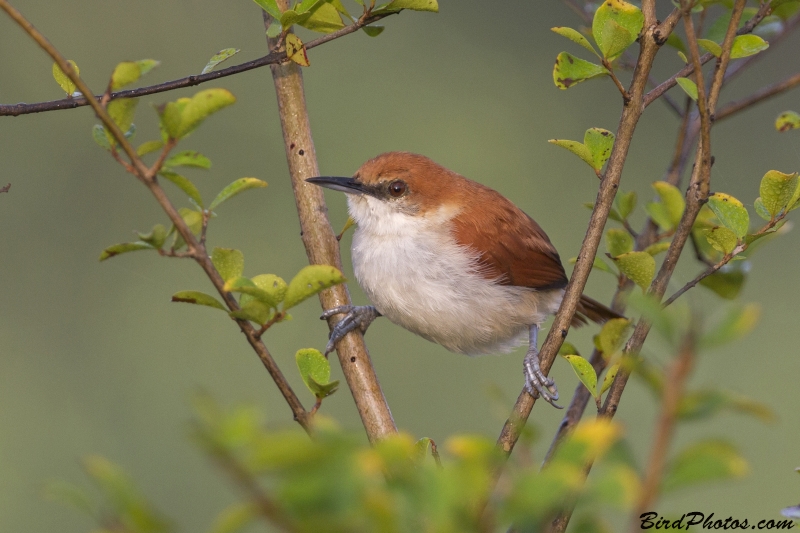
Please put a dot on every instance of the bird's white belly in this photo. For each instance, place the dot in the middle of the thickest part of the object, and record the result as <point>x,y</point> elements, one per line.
<point>428,284</point>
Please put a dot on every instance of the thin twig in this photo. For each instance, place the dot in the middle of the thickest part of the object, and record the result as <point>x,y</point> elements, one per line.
<point>189,81</point>
<point>757,97</point>
<point>147,175</point>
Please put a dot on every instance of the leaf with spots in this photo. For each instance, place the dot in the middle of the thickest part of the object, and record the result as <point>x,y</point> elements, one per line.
<point>722,239</point>
<point>639,267</point>
<point>599,142</point>
<point>778,191</point>
<point>788,120</point>
<point>615,26</point>
<point>570,70</point>
<point>296,50</point>
<point>585,372</point>
<point>730,212</point>
<point>310,281</point>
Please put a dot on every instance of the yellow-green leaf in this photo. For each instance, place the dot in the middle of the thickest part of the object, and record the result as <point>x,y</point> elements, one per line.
<point>625,17</point>
<point>184,184</point>
<point>728,281</point>
<point>240,185</point>
<point>229,262</point>
<point>309,281</point>
<point>200,106</point>
<point>639,267</point>
<point>722,239</point>
<point>688,86</point>
<point>672,199</point>
<point>253,310</point>
<point>704,461</point>
<point>156,237</point>
<point>599,142</point>
<point>63,80</point>
<point>747,45</point>
<point>609,378</point>
<point>218,58</point>
<point>730,212</point>
<point>188,158</point>
<point>198,298</point>
<point>117,249</point>
<point>709,46</point>
<point>124,74</point>
<point>570,70</point>
<point>271,7</point>
<point>235,518</point>
<point>148,147</point>
<point>788,120</point>
<point>576,148</point>
<point>626,203</point>
<point>576,37</point>
<point>314,369</point>
<point>273,286</point>
<point>657,248</point>
<point>612,336</point>
<point>618,241</point>
<point>583,369</point>
<point>778,191</point>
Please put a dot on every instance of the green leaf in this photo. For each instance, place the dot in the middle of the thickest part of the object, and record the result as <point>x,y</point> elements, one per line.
<point>373,31</point>
<point>761,210</point>
<point>156,237</point>
<point>576,148</point>
<point>681,54</point>
<point>639,267</point>
<point>124,74</point>
<point>180,118</point>
<point>730,212</point>
<point>778,190</point>
<point>117,249</point>
<point>599,142</point>
<point>229,262</point>
<point>218,58</point>
<point>728,281</point>
<point>315,371</point>
<point>626,203</point>
<point>660,215</point>
<point>657,248</point>
<point>688,86</point>
<point>146,65</point>
<point>249,290</point>
<point>627,20</point>
<point>618,241</point>
<point>240,185</point>
<point>672,199</point>
<point>309,281</point>
<point>235,518</point>
<point>197,298</point>
<point>100,137</point>
<point>63,80</point>
<point>324,18</point>
<point>274,286</point>
<point>612,336</point>
<point>788,120</point>
<point>747,45</point>
<point>609,378</point>
<point>253,310</point>
<point>583,369</point>
<point>415,5</point>
<point>570,70</point>
<point>183,184</point>
<point>576,37</point>
<point>705,461</point>
<point>677,43</point>
<point>567,348</point>
<point>271,7</point>
<point>121,112</point>
<point>722,239</point>
<point>192,218</point>
<point>737,323</point>
<point>704,403</point>
<point>148,147</point>
<point>709,46</point>
<point>598,263</point>
<point>188,158</point>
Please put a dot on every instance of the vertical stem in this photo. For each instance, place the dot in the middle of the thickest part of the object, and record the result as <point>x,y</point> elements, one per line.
<point>321,244</point>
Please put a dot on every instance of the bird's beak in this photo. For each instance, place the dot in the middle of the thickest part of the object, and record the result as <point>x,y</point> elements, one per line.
<point>348,185</point>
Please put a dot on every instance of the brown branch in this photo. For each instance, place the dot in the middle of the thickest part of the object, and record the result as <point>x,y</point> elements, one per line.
<point>757,97</point>
<point>147,176</point>
<point>670,401</point>
<point>322,247</point>
<point>602,205</point>
<point>272,58</point>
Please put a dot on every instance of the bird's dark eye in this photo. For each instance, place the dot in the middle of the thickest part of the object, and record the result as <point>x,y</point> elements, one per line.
<point>398,188</point>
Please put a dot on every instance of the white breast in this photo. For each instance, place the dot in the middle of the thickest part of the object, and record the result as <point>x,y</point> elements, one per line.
<point>417,276</point>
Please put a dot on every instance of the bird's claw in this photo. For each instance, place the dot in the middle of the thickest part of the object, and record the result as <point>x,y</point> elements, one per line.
<point>536,383</point>
<point>356,317</point>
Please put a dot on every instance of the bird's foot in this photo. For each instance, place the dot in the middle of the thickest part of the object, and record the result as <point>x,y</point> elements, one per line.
<point>536,383</point>
<point>356,317</point>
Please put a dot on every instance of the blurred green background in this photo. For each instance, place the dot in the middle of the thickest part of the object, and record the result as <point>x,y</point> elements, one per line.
<point>94,358</point>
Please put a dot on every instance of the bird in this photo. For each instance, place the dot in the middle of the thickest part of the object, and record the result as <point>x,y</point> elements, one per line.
<point>452,261</point>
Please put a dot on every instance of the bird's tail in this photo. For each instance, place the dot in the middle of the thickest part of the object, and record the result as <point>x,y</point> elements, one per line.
<point>593,310</point>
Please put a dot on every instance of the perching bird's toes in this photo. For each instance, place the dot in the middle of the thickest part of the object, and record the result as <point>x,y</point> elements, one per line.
<point>356,317</point>
<point>536,382</point>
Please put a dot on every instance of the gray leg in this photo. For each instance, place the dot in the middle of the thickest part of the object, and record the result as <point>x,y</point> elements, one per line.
<point>356,317</point>
<point>535,381</point>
